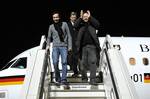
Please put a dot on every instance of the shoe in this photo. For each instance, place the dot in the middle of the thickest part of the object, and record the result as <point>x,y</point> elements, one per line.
<point>57,83</point>
<point>93,82</point>
<point>75,75</point>
<point>65,85</point>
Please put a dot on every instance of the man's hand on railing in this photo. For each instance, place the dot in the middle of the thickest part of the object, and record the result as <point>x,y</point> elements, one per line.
<point>47,49</point>
<point>69,52</point>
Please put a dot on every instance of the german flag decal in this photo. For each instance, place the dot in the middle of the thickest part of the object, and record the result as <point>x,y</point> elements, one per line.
<point>146,77</point>
<point>11,80</point>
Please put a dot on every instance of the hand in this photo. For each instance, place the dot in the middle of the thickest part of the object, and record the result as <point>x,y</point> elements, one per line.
<point>89,14</point>
<point>47,48</point>
<point>81,14</point>
<point>69,50</point>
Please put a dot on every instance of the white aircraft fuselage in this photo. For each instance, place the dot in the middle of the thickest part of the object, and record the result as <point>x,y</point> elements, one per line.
<point>135,51</point>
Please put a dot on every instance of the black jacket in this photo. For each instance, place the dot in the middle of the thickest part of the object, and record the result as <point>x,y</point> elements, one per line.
<point>93,25</point>
<point>74,34</point>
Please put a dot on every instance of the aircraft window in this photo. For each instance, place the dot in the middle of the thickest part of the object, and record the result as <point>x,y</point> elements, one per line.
<point>8,65</point>
<point>145,61</point>
<point>132,61</point>
<point>21,63</point>
<point>117,47</point>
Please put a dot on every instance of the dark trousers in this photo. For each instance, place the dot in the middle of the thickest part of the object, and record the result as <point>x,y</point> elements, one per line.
<point>88,61</point>
<point>73,60</point>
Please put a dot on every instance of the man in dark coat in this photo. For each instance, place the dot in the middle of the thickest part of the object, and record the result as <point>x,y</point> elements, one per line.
<point>73,56</point>
<point>88,45</point>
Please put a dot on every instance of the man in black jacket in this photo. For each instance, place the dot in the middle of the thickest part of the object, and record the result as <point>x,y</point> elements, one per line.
<point>73,56</point>
<point>88,45</point>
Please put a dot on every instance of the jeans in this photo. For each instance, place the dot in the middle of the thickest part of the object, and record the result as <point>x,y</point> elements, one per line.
<point>60,51</point>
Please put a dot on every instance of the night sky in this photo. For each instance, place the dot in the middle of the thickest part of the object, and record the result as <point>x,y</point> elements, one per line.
<point>23,22</point>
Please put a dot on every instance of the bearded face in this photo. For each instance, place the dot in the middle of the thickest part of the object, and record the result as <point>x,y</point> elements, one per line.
<point>56,17</point>
<point>85,17</point>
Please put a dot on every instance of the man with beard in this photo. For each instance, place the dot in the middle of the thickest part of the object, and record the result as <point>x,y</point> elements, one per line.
<point>62,43</point>
<point>88,45</point>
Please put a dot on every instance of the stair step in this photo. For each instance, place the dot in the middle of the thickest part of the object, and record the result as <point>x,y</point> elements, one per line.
<point>77,87</point>
<point>78,98</point>
<point>78,94</point>
<point>78,79</point>
<point>75,80</point>
<point>77,90</point>
<point>69,74</point>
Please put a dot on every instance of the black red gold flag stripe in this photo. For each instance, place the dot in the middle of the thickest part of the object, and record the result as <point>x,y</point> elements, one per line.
<point>146,77</point>
<point>11,80</point>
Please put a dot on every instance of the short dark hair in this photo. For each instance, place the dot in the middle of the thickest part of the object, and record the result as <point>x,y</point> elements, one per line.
<point>55,12</point>
<point>73,13</point>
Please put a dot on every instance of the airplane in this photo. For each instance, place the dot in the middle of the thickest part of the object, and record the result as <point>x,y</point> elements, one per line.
<point>12,75</point>
<point>135,51</point>
<point>136,54</point>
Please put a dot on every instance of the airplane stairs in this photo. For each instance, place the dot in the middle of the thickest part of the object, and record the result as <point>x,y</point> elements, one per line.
<point>78,90</point>
<point>116,79</point>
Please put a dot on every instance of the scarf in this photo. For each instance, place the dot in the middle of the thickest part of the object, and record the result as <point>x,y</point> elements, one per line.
<point>59,30</point>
